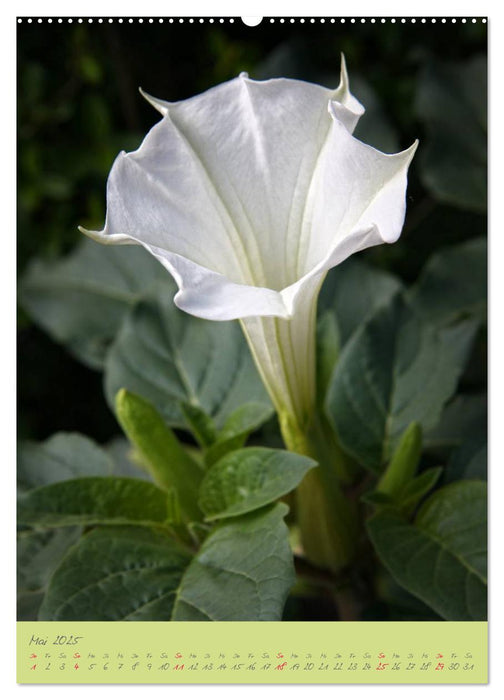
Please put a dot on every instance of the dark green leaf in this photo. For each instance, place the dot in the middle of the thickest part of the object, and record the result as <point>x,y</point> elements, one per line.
<point>38,554</point>
<point>243,571</point>
<point>170,357</point>
<point>249,479</point>
<point>464,417</point>
<point>441,558</point>
<point>469,461</point>
<point>353,291</point>
<point>453,282</point>
<point>117,573</point>
<point>63,456</point>
<point>394,371</point>
<point>105,500</point>
<point>81,300</point>
<point>451,100</point>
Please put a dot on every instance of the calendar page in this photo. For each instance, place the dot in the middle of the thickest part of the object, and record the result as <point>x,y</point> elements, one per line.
<point>252,397</point>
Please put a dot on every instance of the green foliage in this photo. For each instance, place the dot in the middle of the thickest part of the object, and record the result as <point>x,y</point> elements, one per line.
<point>117,573</point>
<point>82,299</point>
<point>441,557</point>
<point>170,358</point>
<point>170,465</point>
<point>452,284</point>
<point>243,571</point>
<point>451,100</point>
<point>469,461</point>
<point>63,456</point>
<point>404,462</point>
<point>248,479</point>
<point>38,554</point>
<point>393,371</point>
<point>353,291</point>
<point>94,501</point>
<point>464,417</point>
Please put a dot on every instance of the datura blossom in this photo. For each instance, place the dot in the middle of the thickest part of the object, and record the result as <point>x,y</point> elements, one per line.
<point>248,194</point>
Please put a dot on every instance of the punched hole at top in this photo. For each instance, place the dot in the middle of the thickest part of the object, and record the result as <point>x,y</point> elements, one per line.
<point>251,21</point>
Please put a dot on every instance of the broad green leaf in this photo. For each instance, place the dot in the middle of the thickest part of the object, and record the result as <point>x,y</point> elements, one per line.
<point>63,456</point>
<point>170,465</point>
<point>93,500</point>
<point>441,557</point>
<point>81,300</point>
<point>394,371</point>
<point>469,461</point>
<point>117,573</point>
<point>248,479</point>
<point>244,571</point>
<point>38,554</point>
<point>451,100</point>
<point>353,291</point>
<point>464,417</point>
<point>453,282</point>
<point>170,357</point>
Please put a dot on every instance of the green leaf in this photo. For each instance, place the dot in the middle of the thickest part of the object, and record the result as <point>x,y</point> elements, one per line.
<point>412,493</point>
<point>81,300</point>
<point>201,425</point>
<point>353,291</point>
<point>117,573</point>
<point>170,357</point>
<point>93,500</point>
<point>233,434</point>
<point>170,465</point>
<point>243,571</point>
<point>464,417</point>
<point>451,101</point>
<point>63,456</point>
<point>469,461</point>
<point>453,282</point>
<point>249,479</point>
<point>404,462</point>
<point>441,558</point>
<point>38,554</point>
<point>394,371</point>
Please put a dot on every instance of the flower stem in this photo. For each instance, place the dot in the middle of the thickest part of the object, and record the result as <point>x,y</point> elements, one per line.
<point>328,521</point>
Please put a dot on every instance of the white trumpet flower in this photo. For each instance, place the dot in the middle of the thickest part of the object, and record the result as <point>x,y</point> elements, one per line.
<point>248,194</point>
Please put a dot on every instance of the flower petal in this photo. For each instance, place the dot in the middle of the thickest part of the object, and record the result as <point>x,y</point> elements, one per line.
<point>344,106</point>
<point>253,188</point>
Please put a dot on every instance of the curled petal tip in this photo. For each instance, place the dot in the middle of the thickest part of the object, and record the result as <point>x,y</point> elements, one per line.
<point>344,84</point>
<point>106,238</point>
<point>160,105</point>
<point>243,74</point>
